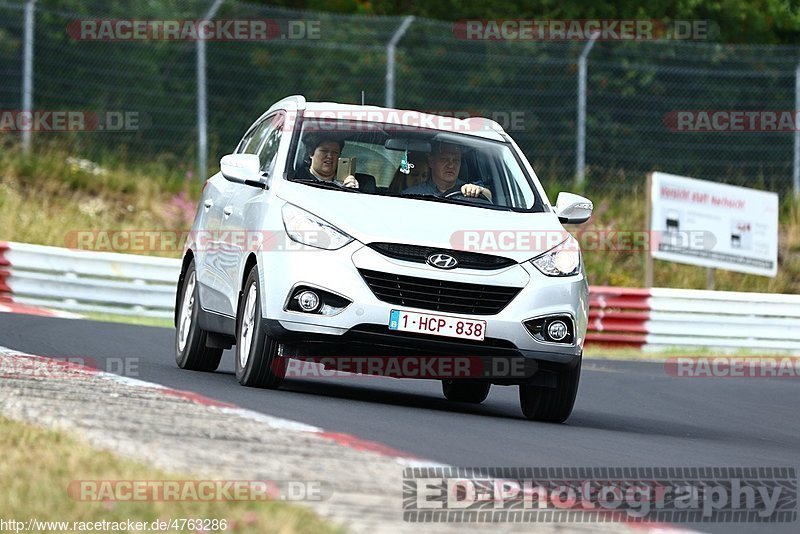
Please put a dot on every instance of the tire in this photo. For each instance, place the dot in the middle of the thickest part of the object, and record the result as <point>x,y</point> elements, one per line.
<point>190,340</point>
<point>465,391</point>
<point>257,362</point>
<point>552,405</point>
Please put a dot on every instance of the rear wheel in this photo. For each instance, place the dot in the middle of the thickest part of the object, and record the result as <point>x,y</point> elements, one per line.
<point>190,340</point>
<point>257,361</point>
<point>552,405</point>
<point>465,391</point>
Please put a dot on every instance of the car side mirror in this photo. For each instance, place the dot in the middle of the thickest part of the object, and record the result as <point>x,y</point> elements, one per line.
<point>573,209</point>
<point>242,169</point>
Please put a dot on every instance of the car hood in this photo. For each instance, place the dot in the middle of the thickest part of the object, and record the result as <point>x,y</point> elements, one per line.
<point>375,218</point>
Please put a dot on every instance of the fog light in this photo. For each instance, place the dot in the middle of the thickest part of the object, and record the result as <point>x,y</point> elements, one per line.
<point>557,330</point>
<point>308,301</point>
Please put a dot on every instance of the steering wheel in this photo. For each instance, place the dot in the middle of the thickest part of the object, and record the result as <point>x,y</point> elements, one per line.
<point>455,193</point>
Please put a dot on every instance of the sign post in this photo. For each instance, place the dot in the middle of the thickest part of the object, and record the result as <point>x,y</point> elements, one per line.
<point>648,210</point>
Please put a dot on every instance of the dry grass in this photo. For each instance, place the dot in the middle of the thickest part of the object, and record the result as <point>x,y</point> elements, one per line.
<point>38,465</point>
<point>44,197</point>
<point>598,352</point>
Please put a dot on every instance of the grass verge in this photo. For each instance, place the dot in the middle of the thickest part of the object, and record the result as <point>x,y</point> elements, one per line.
<point>597,352</point>
<point>49,195</point>
<point>38,466</point>
<point>129,319</point>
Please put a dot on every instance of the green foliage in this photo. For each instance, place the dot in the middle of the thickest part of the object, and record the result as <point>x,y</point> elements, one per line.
<point>739,21</point>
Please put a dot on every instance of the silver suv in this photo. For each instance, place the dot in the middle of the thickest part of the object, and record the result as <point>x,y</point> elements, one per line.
<point>419,245</point>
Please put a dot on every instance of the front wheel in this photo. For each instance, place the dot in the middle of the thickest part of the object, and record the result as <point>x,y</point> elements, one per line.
<point>190,340</point>
<point>465,391</point>
<point>552,405</point>
<point>257,361</point>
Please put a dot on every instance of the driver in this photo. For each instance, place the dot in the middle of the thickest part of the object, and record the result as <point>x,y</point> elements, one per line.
<point>444,162</point>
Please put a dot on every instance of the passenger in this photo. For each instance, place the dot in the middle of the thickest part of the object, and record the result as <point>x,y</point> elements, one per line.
<point>418,173</point>
<point>324,155</point>
<point>445,163</point>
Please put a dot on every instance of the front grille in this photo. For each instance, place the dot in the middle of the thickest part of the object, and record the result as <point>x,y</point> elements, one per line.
<point>439,295</point>
<point>418,254</point>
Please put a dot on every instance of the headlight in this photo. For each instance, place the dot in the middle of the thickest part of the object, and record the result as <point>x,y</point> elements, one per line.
<point>308,229</point>
<point>563,260</point>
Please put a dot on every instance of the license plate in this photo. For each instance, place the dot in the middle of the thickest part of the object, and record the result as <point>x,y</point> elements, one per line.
<point>437,325</point>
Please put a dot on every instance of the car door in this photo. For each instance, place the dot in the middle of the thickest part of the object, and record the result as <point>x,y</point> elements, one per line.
<point>209,271</point>
<point>246,205</point>
<point>213,250</point>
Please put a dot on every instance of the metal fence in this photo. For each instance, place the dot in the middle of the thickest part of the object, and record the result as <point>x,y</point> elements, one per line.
<point>632,88</point>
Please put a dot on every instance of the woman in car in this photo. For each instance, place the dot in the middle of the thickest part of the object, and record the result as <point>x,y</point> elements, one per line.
<point>323,154</point>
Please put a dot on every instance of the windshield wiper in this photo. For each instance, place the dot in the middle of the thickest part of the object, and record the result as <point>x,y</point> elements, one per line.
<point>432,198</point>
<point>460,201</point>
<point>327,185</point>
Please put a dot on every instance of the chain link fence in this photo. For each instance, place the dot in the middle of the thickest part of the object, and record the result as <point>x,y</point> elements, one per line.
<point>634,89</point>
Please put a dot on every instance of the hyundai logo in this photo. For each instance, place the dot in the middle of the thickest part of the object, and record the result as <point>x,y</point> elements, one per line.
<point>442,261</point>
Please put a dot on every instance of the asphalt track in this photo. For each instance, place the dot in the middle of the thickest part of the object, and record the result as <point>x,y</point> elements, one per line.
<point>628,414</point>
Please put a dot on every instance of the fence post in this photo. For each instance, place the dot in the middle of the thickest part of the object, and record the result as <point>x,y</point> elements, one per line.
<point>580,157</point>
<point>796,177</point>
<point>27,70</point>
<point>202,100</point>
<point>390,58</point>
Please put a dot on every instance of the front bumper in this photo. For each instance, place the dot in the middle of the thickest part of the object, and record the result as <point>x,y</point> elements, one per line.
<point>361,329</point>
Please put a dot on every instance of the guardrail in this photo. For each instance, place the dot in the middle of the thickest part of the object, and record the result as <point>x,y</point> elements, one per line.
<point>88,281</point>
<point>126,284</point>
<point>662,318</point>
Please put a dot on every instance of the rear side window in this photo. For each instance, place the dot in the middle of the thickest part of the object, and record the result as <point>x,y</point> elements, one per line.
<point>264,140</point>
<point>271,141</point>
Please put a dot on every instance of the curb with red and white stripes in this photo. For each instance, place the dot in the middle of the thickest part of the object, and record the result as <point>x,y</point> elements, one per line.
<point>64,367</point>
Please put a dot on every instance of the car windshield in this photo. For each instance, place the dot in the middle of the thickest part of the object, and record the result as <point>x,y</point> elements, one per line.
<point>439,163</point>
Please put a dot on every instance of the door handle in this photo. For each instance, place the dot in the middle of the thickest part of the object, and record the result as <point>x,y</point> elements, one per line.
<point>208,203</point>
<point>227,211</point>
